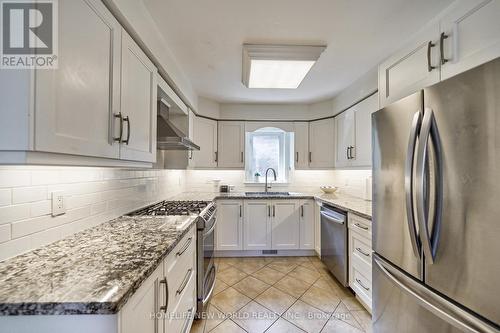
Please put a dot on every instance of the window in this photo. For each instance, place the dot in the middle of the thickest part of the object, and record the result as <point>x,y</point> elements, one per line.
<point>268,148</point>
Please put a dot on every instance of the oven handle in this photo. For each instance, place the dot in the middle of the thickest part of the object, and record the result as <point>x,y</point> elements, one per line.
<point>209,294</point>
<point>211,229</point>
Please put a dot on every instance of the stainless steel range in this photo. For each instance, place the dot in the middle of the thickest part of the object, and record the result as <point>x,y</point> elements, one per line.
<point>205,239</point>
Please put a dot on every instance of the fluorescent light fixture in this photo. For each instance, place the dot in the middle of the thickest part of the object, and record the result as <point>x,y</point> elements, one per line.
<point>278,66</point>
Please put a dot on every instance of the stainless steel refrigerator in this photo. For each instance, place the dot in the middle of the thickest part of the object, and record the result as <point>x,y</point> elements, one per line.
<point>436,207</point>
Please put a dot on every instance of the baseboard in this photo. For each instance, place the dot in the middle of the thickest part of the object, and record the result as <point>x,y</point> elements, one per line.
<point>258,253</point>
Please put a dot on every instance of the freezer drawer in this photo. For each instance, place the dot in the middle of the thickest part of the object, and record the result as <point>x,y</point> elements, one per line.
<point>404,305</point>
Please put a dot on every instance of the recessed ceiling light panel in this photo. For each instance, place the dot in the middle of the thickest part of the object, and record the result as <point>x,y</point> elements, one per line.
<point>278,66</point>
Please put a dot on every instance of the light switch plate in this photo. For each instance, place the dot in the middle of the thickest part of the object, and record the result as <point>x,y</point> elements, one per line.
<point>58,203</point>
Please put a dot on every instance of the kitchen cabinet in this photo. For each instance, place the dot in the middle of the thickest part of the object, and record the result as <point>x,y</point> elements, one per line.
<point>285,234</point>
<point>138,103</point>
<point>229,232</point>
<point>231,144</point>
<point>257,226</point>
<point>205,135</point>
<point>354,144</point>
<point>472,31</point>
<point>306,224</point>
<point>301,145</point>
<point>317,227</point>
<point>75,104</point>
<point>322,143</point>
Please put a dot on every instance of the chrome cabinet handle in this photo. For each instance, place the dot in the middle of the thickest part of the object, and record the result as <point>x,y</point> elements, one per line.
<point>362,252</point>
<point>127,119</point>
<point>274,211</point>
<point>186,323</point>
<point>241,213</point>
<point>185,281</point>
<point>430,45</point>
<point>347,152</point>
<point>310,157</point>
<point>441,47</point>
<point>410,158</point>
<point>216,156</point>
<point>362,285</point>
<point>185,247</point>
<point>297,156</point>
<point>429,239</point>
<point>302,211</point>
<point>165,305</point>
<point>351,148</point>
<point>241,157</point>
<point>119,116</point>
<point>361,226</point>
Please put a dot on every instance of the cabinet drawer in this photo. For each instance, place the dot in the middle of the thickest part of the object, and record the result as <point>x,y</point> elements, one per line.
<point>360,225</point>
<point>361,284</point>
<point>179,314</point>
<point>361,248</point>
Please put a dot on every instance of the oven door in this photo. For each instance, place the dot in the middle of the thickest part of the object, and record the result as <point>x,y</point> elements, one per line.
<point>206,267</point>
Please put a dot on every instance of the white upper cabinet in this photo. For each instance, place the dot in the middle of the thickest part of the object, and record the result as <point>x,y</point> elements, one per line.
<point>412,68</point>
<point>229,233</point>
<point>204,135</point>
<point>301,145</point>
<point>361,154</point>
<point>75,103</point>
<point>138,103</point>
<point>231,144</point>
<point>345,137</point>
<point>472,31</point>
<point>285,224</point>
<point>322,143</point>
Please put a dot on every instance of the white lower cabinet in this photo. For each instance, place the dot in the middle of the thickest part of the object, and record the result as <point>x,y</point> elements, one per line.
<point>257,225</point>
<point>306,224</point>
<point>229,231</point>
<point>285,223</point>
<point>360,259</point>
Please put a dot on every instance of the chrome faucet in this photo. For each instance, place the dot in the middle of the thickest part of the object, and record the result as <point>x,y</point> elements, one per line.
<point>274,172</point>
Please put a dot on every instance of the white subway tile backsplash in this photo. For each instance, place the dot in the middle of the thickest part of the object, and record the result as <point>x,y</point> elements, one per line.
<point>45,177</point>
<point>5,197</point>
<point>13,178</point>
<point>28,194</point>
<point>40,208</point>
<point>14,213</point>
<point>14,247</point>
<point>4,232</point>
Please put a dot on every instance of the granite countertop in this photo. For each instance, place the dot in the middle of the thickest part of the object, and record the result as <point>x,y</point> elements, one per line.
<point>94,271</point>
<point>345,202</point>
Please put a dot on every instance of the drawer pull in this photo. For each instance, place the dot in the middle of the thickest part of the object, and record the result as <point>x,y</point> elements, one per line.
<point>362,252</point>
<point>185,247</point>
<point>185,281</point>
<point>164,306</point>
<point>361,284</point>
<point>361,226</point>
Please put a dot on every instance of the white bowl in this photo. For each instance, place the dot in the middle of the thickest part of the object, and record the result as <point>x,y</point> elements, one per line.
<point>329,189</point>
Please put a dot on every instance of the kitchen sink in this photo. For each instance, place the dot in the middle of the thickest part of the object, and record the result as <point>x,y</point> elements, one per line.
<point>267,194</point>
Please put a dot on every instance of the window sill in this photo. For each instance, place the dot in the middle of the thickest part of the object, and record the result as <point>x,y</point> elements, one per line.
<point>263,183</point>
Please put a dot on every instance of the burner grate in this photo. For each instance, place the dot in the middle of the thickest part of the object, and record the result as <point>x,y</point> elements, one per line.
<point>172,208</point>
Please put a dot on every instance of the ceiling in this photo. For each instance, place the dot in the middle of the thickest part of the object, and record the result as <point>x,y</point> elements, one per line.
<point>206,39</point>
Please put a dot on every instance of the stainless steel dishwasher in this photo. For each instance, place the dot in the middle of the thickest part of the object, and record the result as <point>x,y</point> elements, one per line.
<point>334,242</point>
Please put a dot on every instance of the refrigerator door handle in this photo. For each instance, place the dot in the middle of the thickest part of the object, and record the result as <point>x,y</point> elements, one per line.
<point>429,240</point>
<point>410,159</point>
<point>436,304</point>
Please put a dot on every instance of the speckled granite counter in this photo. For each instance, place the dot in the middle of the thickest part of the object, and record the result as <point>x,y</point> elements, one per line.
<point>92,272</point>
<point>345,202</point>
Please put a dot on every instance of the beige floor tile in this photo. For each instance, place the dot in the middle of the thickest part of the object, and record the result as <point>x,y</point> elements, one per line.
<point>306,317</point>
<point>322,299</point>
<point>330,283</point>
<point>230,260</point>
<point>250,267</point>
<point>318,264</point>
<point>308,265</point>
<point>339,326</point>
<point>275,300</point>
<point>251,286</point>
<point>254,318</point>
<point>231,275</point>
<point>304,274</point>
<point>219,286</point>
<point>352,303</point>
<point>282,266</point>
<point>283,326</point>
<point>292,286</point>
<point>314,259</point>
<point>228,326</point>
<point>268,275</point>
<point>298,259</point>
<point>198,326</point>
<point>230,300</point>
<point>343,313</point>
<point>213,318</point>
<point>222,265</point>
<point>364,319</point>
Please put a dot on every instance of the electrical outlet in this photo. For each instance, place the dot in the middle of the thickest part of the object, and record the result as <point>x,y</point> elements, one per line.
<point>58,204</point>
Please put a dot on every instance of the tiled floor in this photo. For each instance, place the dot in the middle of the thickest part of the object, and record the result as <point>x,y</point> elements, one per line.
<point>278,295</point>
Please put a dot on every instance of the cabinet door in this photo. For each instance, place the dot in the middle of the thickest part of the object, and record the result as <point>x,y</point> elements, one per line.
<point>231,144</point>
<point>345,137</point>
<point>74,104</point>
<point>407,71</point>
<point>135,316</point>
<point>138,103</point>
<point>322,143</point>
<point>473,30</point>
<point>205,135</point>
<point>229,233</point>
<point>307,224</point>
<point>285,225</point>
<point>362,151</point>
<point>317,227</point>
<point>301,145</point>
<point>257,225</point>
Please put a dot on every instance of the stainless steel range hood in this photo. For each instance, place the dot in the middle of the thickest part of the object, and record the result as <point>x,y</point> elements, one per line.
<point>169,137</point>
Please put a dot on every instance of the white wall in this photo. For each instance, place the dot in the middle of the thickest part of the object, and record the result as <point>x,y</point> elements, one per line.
<point>208,108</point>
<point>93,196</point>
<point>264,111</point>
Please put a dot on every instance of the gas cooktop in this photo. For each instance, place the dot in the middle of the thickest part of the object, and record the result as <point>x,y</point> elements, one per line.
<point>172,208</point>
